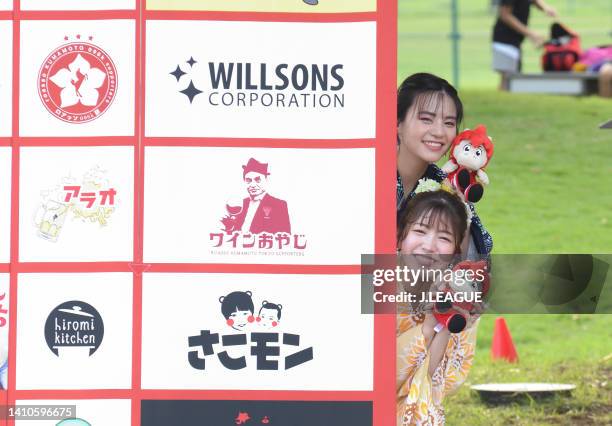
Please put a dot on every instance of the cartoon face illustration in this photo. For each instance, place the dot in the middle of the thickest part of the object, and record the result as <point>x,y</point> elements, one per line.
<point>256,183</point>
<point>469,156</point>
<point>269,314</point>
<point>237,308</point>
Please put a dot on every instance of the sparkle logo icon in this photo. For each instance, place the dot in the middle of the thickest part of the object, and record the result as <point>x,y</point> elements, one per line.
<point>190,91</point>
<point>77,82</point>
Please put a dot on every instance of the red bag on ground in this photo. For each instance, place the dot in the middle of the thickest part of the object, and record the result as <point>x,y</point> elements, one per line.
<point>563,49</point>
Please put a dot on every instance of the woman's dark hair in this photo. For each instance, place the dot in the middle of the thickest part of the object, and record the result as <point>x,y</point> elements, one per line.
<point>422,87</point>
<point>237,300</point>
<point>434,205</point>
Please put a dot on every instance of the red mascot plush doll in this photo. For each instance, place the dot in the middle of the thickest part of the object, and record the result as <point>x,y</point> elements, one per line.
<point>467,284</point>
<point>470,153</point>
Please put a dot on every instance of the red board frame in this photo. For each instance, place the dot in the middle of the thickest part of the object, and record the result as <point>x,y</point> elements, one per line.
<point>383,393</point>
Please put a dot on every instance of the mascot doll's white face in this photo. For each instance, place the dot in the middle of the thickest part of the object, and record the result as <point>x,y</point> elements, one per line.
<point>469,157</point>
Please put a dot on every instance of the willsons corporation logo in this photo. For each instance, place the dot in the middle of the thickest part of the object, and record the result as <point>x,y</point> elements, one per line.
<point>261,85</point>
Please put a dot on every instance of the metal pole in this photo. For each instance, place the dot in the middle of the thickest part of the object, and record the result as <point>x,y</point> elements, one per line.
<point>455,36</point>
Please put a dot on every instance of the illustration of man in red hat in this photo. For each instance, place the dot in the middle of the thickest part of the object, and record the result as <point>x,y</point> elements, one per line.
<point>261,212</point>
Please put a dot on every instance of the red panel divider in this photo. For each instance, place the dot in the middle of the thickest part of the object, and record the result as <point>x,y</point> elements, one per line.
<point>383,393</point>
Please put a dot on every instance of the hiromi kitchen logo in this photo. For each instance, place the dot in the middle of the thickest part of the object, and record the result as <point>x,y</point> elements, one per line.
<point>74,328</point>
<point>261,85</point>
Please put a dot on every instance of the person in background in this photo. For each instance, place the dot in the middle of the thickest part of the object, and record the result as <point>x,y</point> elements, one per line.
<point>605,80</point>
<point>511,28</point>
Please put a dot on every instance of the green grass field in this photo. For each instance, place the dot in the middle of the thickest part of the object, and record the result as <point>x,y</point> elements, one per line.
<point>551,348</point>
<point>550,192</point>
<point>424,44</point>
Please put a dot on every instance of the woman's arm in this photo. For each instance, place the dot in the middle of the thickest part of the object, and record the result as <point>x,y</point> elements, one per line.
<point>506,16</point>
<point>437,349</point>
<point>547,9</point>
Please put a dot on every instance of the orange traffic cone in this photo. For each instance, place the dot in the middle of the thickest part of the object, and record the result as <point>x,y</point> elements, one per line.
<point>502,346</point>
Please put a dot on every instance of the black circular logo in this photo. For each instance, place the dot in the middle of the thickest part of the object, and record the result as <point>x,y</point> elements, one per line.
<point>74,324</point>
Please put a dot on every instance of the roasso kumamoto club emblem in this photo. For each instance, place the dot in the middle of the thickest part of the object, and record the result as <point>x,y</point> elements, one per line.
<point>77,82</point>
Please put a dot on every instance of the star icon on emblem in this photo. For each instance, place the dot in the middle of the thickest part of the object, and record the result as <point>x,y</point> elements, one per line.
<point>191,91</point>
<point>178,73</point>
<point>192,61</point>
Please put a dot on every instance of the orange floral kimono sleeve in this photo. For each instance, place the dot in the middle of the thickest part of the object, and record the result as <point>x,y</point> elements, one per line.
<point>419,397</point>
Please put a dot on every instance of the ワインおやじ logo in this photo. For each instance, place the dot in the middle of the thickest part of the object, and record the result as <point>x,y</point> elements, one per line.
<point>259,221</point>
<point>91,199</point>
<point>74,329</point>
<point>77,82</point>
<point>249,330</point>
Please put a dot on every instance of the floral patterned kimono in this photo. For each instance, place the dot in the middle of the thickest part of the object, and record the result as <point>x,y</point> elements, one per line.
<point>419,398</point>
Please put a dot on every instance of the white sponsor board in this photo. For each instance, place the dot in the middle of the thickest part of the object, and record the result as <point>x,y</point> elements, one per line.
<point>5,311</point>
<point>77,4</point>
<point>5,202</point>
<point>268,80</point>
<point>329,196</point>
<point>77,78</point>
<point>6,82</point>
<point>110,366</point>
<point>76,204</point>
<point>116,412</point>
<point>324,310</point>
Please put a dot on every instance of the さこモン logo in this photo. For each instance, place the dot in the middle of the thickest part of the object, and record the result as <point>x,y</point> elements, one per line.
<point>250,330</point>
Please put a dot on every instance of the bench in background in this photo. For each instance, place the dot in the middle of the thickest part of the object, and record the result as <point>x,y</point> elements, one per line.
<point>558,83</point>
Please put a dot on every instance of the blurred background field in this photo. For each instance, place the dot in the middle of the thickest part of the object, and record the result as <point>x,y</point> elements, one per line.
<point>551,172</point>
<point>550,192</point>
<point>424,43</point>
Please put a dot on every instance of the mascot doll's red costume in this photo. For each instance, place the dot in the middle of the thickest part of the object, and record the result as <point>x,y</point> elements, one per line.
<point>470,153</point>
<point>474,279</point>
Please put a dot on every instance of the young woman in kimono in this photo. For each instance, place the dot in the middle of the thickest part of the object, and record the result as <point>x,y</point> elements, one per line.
<point>428,118</point>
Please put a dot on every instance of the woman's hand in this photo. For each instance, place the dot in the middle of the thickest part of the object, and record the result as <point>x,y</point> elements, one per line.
<point>546,8</point>
<point>473,315</point>
<point>537,39</point>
